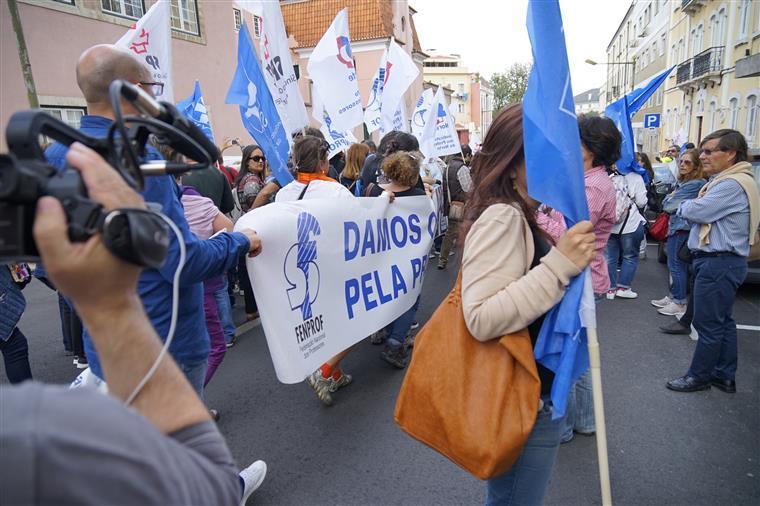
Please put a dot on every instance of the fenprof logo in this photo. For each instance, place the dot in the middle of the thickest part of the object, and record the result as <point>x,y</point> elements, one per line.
<point>302,275</point>
<point>344,51</point>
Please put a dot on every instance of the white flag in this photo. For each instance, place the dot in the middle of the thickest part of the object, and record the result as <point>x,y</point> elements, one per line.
<point>400,73</point>
<point>372,111</point>
<point>337,140</point>
<point>420,112</point>
<point>275,61</point>
<point>150,40</point>
<point>331,68</point>
<point>398,122</point>
<point>439,136</point>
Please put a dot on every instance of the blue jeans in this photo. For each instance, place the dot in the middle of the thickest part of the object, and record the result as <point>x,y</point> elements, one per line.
<point>716,280</point>
<point>679,270</point>
<point>195,374</point>
<point>225,311</point>
<point>580,408</point>
<point>15,351</point>
<point>628,245</point>
<point>397,329</point>
<point>527,480</point>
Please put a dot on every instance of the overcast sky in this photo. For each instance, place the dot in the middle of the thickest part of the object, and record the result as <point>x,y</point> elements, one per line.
<point>490,35</point>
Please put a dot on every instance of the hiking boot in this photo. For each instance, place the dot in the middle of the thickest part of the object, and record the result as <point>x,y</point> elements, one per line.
<point>321,386</point>
<point>343,380</point>
<point>395,355</point>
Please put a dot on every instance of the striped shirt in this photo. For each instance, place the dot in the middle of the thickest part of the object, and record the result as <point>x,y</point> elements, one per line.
<point>726,207</point>
<point>600,195</point>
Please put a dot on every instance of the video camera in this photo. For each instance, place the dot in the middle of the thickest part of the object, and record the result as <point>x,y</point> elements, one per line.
<point>136,235</point>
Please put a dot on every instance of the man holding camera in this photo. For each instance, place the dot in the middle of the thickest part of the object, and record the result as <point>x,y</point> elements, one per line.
<point>96,69</point>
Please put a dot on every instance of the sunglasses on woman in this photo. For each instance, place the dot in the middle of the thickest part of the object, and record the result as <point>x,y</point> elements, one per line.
<point>258,159</point>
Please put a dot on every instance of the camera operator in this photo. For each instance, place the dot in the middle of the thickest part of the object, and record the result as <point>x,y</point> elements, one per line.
<point>164,449</point>
<point>97,67</point>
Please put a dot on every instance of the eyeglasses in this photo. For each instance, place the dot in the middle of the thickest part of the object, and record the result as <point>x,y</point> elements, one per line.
<point>258,159</point>
<point>708,152</point>
<point>156,88</point>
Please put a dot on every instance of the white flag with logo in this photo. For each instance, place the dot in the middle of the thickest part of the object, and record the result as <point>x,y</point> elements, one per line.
<point>398,122</point>
<point>439,136</point>
<point>337,140</point>
<point>399,75</point>
<point>331,68</point>
<point>372,111</point>
<point>150,40</point>
<point>277,64</point>
<point>420,112</point>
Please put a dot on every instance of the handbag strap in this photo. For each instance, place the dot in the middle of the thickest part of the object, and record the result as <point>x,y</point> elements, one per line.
<point>303,192</point>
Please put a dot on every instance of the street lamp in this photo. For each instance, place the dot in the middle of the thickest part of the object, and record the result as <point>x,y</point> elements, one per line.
<point>633,68</point>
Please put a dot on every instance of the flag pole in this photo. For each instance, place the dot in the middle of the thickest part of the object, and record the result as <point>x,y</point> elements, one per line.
<point>601,428</point>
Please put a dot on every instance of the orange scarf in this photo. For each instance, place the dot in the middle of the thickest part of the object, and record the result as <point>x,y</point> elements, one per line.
<point>308,177</point>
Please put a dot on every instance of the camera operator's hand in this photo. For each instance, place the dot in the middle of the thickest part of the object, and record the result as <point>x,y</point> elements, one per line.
<point>74,266</point>
<point>254,241</point>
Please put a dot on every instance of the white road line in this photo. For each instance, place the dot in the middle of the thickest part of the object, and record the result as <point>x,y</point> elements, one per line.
<point>247,326</point>
<point>748,327</point>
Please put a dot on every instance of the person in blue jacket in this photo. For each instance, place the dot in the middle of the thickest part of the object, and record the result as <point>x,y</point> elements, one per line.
<point>97,67</point>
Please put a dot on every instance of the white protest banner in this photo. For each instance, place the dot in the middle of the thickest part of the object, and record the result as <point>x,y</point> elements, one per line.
<point>372,111</point>
<point>338,141</point>
<point>420,112</point>
<point>439,136</point>
<point>400,74</point>
<point>398,121</point>
<point>150,40</point>
<point>275,60</point>
<point>331,272</point>
<point>331,68</point>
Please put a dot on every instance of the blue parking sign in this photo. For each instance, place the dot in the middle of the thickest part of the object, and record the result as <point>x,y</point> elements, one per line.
<point>651,121</point>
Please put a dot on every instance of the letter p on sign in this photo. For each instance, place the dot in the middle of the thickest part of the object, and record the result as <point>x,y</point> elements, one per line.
<point>651,121</point>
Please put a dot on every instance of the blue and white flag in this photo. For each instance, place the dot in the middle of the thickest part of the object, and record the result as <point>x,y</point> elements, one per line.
<point>622,111</point>
<point>337,140</point>
<point>195,109</point>
<point>439,136</point>
<point>257,110</point>
<point>400,73</point>
<point>554,167</point>
<point>372,111</point>
<point>420,112</point>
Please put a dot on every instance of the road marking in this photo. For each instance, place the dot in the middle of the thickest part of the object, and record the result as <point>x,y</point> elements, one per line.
<point>247,326</point>
<point>748,327</point>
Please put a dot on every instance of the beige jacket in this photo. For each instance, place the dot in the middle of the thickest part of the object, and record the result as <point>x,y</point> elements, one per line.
<point>501,294</point>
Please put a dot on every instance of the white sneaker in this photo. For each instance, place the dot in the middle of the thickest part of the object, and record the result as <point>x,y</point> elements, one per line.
<point>252,476</point>
<point>610,294</point>
<point>661,302</point>
<point>626,293</point>
<point>672,309</point>
<point>694,335</point>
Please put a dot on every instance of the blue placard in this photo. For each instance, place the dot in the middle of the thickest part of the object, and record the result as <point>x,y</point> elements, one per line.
<point>651,121</point>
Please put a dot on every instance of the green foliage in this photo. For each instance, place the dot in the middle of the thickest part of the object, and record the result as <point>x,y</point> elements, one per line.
<point>509,87</point>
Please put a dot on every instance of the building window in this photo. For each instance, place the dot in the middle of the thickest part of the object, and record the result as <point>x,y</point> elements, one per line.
<point>663,44</point>
<point>67,2</point>
<point>460,108</point>
<point>403,24</point>
<point>752,114</point>
<point>713,113</point>
<point>744,10</point>
<point>238,18</point>
<point>128,8</point>
<point>256,26</point>
<point>733,113</point>
<point>185,16</point>
<point>659,96</point>
<point>72,116</point>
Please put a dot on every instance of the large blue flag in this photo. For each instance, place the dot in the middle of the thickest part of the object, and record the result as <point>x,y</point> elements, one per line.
<point>622,111</point>
<point>195,109</point>
<point>554,166</point>
<point>257,110</point>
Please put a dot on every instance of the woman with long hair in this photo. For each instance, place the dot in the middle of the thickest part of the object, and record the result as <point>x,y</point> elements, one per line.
<point>690,181</point>
<point>248,183</point>
<point>511,277</point>
<point>349,177</point>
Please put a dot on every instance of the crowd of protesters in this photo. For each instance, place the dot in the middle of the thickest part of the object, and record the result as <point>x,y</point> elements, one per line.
<point>516,255</point>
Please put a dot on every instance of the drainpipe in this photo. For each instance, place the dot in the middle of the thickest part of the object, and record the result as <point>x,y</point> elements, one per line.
<point>23,54</point>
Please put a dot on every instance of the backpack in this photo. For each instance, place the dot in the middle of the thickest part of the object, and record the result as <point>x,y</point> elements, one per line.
<point>623,200</point>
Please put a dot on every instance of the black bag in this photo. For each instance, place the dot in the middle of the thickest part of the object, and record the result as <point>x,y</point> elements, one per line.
<point>684,253</point>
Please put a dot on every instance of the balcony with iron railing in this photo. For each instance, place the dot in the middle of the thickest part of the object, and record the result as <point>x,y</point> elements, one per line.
<point>702,68</point>
<point>692,6</point>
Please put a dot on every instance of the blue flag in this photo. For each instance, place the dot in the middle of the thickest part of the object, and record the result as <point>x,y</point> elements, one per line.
<point>195,109</point>
<point>257,110</point>
<point>621,112</point>
<point>554,166</point>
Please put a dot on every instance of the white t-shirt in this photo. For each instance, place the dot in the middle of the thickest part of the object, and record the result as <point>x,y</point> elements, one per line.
<point>318,189</point>
<point>638,193</point>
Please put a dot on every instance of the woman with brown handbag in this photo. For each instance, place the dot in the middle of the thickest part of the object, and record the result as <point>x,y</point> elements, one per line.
<point>511,277</point>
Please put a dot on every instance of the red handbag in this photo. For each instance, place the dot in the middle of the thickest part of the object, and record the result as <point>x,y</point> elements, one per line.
<point>659,229</point>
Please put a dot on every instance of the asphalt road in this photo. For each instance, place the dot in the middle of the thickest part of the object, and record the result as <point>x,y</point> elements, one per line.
<point>665,448</point>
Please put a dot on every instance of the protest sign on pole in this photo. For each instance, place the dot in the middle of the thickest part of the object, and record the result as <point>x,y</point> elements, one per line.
<point>331,68</point>
<point>372,111</point>
<point>420,112</point>
<point>439,136</point>
<point>150,39</point>
<point>257,110</point>
<point>279,72</point>
<point>195,109</point>
<point>337,141</point>
<point>399,75</point>
<point>333,271</point>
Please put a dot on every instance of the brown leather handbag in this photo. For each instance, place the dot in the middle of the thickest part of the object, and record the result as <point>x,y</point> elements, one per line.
<point>474,402</point>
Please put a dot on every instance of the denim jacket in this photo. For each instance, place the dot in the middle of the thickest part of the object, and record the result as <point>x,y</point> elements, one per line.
<point>684,191</point>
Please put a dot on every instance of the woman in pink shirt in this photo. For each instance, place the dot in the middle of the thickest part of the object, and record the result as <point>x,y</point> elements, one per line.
<point>600,145</point>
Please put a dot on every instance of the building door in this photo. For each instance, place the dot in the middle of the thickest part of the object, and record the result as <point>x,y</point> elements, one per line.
<point>699,130</point>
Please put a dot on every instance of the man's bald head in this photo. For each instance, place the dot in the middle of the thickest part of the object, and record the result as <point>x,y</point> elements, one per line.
<point>99,65</point>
